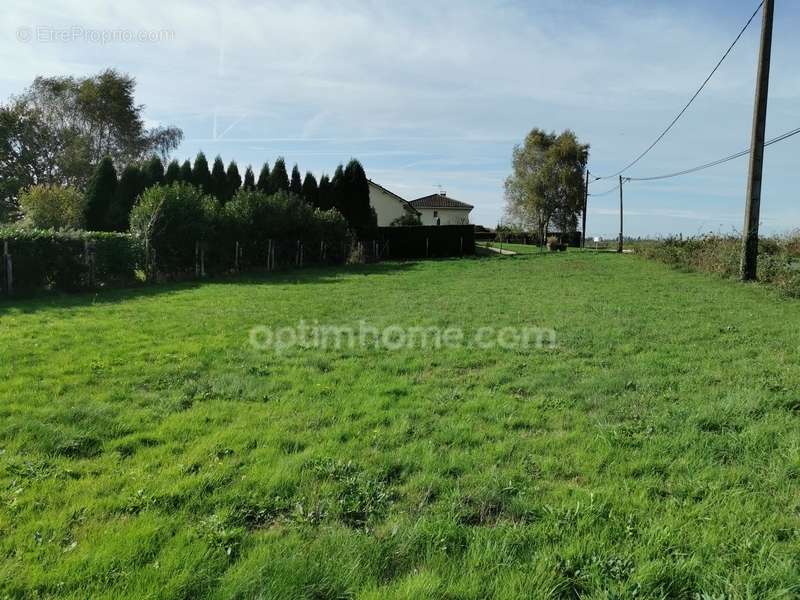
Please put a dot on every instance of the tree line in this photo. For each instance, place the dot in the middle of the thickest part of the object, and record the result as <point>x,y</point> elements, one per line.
<point>110,198</point>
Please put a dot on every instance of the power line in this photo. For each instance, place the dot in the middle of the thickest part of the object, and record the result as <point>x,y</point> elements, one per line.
<point>685,108</point>
<point>775,140</point>
<point>606,193</point>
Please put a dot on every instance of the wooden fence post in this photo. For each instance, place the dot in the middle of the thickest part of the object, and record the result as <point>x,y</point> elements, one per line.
<point>427,247</point>
<point>236,257</point>
<point>202,262</point>
<point>197,259</point>
<point>461,246</point>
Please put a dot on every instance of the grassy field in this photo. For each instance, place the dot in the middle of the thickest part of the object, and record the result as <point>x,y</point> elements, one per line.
<point>148,451</point>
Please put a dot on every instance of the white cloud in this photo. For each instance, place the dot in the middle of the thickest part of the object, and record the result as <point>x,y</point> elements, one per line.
<point>434,92</point>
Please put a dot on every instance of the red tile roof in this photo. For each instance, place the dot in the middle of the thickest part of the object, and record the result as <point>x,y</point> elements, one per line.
<point>439,201</point>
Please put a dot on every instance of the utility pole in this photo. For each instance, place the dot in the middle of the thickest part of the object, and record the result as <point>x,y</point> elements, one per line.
<point>619,247</point>
<point>585,204</point>
<point>749,263</point>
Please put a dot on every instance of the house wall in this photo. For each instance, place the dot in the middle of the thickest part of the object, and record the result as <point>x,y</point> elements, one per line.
<point>388,208</point>
<point>447,216</point>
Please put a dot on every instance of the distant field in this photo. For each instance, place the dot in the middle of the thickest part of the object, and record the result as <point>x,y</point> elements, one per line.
<point>148,451</point>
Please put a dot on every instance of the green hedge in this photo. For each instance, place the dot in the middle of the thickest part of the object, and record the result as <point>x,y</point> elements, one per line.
<point>48,259</point>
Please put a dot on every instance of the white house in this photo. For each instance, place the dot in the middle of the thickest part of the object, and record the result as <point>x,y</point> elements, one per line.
<point>438,209</point>
<point>388,205</point>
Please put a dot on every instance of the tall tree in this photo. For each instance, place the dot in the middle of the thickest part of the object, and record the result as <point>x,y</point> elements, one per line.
<point>362,217</point>
<point>132,182</point>
<point>546,186</point>
<point>296,184</point>
<point>324,200</point>
<point>153,171</point>
<point>219,182</point>
<point>279,178</point>
<point>173,173</point>
<point>338,193</point>
<point>201,176</point>
<point>100,196</point>
<point>234,180</point>
<point>186,172</point>
<point>264,177</point>
<point>89,118</point>
<point>249,183</point>
<point>310,190</point>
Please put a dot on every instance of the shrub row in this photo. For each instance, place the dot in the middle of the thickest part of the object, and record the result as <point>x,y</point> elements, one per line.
<point>68,260</point>
<point>176,222</point>
<point>778,258</point>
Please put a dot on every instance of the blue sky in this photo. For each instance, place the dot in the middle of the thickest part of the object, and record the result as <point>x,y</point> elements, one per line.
<point>430,94</point>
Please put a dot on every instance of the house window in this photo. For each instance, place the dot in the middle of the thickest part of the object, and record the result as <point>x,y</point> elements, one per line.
<point>435,214</point>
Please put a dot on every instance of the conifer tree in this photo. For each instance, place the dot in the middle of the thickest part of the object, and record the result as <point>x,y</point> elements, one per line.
<point>100,196</point>
<point>249,183</point>
<point>279,178</point>
<point>310,191</point>
<point>173,173</point>
<point>234,180</point>
<point>263,184</point>
<point>153,171</point>
<point>132,182</point>
<point>201,177</point>
<point>296,184</point>
<point>324,193</point>
<point>219,181</point>
<point>186,172</point>
<point>362,217</point>
<point>338,193</point>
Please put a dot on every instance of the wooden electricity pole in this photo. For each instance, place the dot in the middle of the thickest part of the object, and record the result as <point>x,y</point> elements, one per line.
<point>585,204</point>
<point>619,246</point>
<point>753,207</point>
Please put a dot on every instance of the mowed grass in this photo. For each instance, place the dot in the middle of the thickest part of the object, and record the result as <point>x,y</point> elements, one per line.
<point>147,451</point>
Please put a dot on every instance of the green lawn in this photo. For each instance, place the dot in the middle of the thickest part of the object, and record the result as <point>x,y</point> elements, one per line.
<point>148,451</point>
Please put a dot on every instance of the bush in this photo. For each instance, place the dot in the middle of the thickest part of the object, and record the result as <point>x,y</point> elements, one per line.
<point>721,254</point>
<point>49,259</point>
<point>169,221</point>
<point>53,207</point>
<point>254,220</point>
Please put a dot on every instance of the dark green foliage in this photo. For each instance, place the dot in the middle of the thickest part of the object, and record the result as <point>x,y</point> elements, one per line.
<point>153,171</point>
<point>325,193</point>
<point>173,173</point>
<point>337,192</point>
<point>132,182</point>
<point>47,259</point>
<point>100,196</point>
<point>219,181</point>
<point>170,220</point>
<point>263,185</point>
<point>253,218</point>
<point>351,198</point>
<point>296,185</point>
<point>234,180</point>
<point>310,191</point>
<point>201,176</point>
<point>186,172</point>
<point>279,179</point>
<point>249,183</point>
